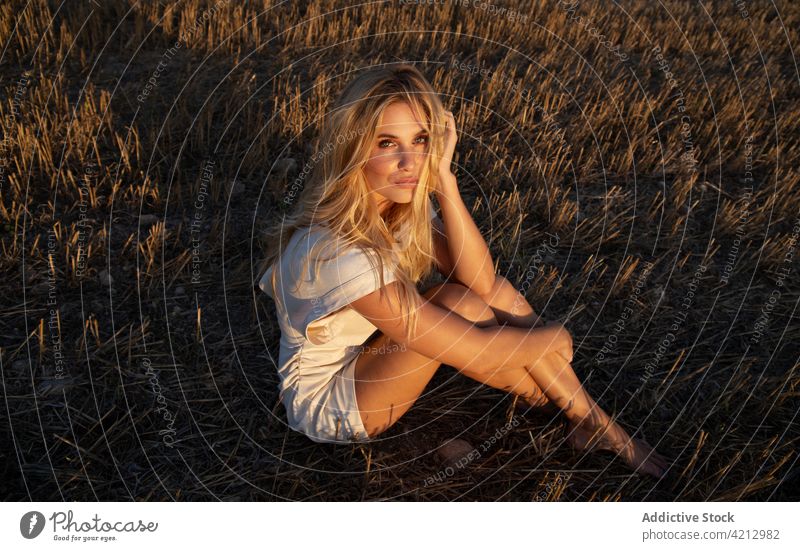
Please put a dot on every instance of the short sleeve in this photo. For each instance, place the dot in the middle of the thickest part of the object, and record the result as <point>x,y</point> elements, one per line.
<point>342,279</point>
<point>346,278</point>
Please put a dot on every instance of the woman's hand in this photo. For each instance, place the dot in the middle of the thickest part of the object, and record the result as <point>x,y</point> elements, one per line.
<point>450,139</point>
<point>565,347</point>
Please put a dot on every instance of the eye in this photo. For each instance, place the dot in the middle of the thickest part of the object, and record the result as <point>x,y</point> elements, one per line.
<point>420,137</point>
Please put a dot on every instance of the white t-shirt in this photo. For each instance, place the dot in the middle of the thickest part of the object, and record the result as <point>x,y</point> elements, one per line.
<point>320,333</point>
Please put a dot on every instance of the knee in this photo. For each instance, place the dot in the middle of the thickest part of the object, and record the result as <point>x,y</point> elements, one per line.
<point>463,301</point>
<point>502,291</point>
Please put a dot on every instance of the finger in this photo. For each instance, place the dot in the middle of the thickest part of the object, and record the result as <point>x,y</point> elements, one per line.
<point>565,353</point>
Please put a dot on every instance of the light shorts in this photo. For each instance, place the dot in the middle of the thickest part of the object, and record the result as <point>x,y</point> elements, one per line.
<point>332,416</point>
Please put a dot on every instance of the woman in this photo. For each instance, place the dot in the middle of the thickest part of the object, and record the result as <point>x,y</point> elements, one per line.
<point>358,342</point>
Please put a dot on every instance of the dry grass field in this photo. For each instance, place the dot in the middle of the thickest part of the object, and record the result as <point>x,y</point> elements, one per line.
<point>634,167</point>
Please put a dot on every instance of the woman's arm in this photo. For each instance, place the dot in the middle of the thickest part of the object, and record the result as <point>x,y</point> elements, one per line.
<point>468,253</point>
<point>447,337</point>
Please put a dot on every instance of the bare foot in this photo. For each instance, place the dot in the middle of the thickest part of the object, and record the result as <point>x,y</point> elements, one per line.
<point>636,453</point>
<point>583,439</point>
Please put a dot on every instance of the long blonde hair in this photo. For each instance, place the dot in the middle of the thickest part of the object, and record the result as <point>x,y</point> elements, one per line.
<point>336,194</point>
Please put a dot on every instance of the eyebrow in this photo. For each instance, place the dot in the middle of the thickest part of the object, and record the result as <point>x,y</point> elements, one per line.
<point>423,131</point>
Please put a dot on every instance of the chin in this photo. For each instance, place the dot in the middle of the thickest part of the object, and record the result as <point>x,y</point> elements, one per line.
<point>404,196</point>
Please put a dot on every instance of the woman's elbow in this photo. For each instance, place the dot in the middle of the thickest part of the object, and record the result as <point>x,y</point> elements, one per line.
<point>485,285</point>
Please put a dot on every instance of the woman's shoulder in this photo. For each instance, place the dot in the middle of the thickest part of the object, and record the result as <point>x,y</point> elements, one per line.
<point>315,261</point>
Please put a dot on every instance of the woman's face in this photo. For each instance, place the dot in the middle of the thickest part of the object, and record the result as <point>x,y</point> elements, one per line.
<point>396,157</point>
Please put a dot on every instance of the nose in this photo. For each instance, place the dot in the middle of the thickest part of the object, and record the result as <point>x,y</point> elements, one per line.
<point>407,159</point>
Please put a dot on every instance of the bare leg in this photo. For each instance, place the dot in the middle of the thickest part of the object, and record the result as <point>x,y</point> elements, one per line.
<point>387,385</point>
<point>512,308</point>
<point>590,427</point>
<point>504,303</point>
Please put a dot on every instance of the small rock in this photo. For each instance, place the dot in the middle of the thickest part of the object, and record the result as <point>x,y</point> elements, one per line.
<point>179,290</point>
<point>456,453</point>
<point>19,365</point>
<point>105,278</point>
<point>237,188</point>
<point>147,219</point>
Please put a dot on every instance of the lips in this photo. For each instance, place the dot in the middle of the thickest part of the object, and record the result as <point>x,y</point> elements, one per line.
<point>407,181</point>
